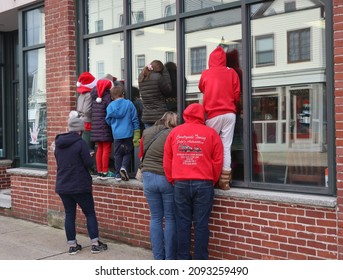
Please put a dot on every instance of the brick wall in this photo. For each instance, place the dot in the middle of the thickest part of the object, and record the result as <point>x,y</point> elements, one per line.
<point>338,77</point>
<point>4,177</point>
<point>61,77</point>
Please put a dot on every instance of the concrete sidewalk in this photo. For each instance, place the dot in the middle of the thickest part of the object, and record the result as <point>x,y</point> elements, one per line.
<point>23,240</point>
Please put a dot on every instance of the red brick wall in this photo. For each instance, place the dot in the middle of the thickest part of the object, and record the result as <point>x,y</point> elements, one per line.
<point>61,77</point>
<point>5,182</point>
<point>338,77</point>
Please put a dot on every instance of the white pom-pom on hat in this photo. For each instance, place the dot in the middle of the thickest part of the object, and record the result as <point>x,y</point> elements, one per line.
<point>98,99</point>
<point>73,114</point>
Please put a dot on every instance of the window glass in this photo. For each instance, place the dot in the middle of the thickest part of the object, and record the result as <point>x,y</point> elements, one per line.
<point>221,28</point>
<point>192,5</point>
<point>143,10</point>
<point>36,106</point>
<point>153,45</point>
<point>105,58</point>
<point>104,14</point>
<point>288,101</point>
<point>34,27</point>
<point>264,50</point>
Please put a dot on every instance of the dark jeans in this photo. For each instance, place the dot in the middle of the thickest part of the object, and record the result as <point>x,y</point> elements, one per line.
<point>193,203</point>
<point>86,203</point>
<point>123,149</point>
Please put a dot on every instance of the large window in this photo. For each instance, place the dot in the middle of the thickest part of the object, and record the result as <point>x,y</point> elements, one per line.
<point>264,50</point>
<point>281,139</point>
<point>299,45</point>
<point>35,127</point>
<point>288,100</point>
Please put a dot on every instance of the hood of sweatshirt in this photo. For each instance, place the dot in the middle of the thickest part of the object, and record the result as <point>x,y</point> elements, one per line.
<point>194,113</point>
<point>119,108</point>
<point>217,58</point>
<point>65,140</point>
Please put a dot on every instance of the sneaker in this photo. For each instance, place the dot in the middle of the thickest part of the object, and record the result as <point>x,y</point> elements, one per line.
<point>75,250</point>
<point>99,248</point>
<point>100,176</point>
<point>110,174</point>
<point>123,174</point>
<point>118,177</point>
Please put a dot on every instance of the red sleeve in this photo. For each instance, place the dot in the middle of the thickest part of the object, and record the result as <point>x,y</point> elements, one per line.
<point>167,159</point>
<point>141,149</point>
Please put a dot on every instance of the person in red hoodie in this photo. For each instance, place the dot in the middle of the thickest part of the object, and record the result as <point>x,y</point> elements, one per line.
<point>221,88</point>
<point>192,162</point>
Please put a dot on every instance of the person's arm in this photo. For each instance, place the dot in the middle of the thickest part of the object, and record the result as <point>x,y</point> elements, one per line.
<point>167,159</point>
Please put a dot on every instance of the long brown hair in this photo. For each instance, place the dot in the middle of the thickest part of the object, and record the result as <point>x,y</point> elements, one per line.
<point>153,66</point>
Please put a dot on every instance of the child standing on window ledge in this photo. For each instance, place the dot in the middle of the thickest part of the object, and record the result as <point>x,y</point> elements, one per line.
<point>122,117</point>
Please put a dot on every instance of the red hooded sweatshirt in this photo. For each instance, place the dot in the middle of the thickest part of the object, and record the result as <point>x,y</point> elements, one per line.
<point>220,86</point>
<point>193,151</point>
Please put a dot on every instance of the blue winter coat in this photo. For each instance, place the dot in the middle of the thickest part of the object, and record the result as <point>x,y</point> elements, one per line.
<point>122,117</point>
<point>73,160</point>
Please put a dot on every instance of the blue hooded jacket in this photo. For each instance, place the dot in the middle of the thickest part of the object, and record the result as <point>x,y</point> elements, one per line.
<point>122,117</point>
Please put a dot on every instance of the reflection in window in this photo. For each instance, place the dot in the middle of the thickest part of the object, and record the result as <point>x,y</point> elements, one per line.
<point>105,58</point>
<point>36,106</point>
<point>138,17</point>
<point>265,50</point>
<point>140,62</point>
<point>99,26</point>
<point>299,45</point>
<point>34,27</point>
<point>191,5</point>
<point>198,60</point>
<point>108,11</point>
<point>288,105</point>
<point>169,11</point>
<point>153,9</point>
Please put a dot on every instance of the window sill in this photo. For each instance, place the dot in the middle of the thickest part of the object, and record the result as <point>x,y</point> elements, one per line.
<point>31,172</point>
<point>280,197</point>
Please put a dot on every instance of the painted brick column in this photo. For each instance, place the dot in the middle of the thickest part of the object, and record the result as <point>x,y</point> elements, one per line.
<point>60,30</point>
<point>338,77</point>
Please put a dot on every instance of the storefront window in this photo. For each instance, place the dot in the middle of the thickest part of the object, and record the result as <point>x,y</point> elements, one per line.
<point>289,94</point>
<point>35,88</point>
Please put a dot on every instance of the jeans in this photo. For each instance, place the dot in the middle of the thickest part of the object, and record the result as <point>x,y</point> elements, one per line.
<point>123,150</point>
<point>160,196</point>
<point>86,203</point>
<point>193,203</point>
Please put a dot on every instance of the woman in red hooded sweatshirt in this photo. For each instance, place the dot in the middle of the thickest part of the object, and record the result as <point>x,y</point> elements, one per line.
<point>221,88</point>
<point>192,162</point>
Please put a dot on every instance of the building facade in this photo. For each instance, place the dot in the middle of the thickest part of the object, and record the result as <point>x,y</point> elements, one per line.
<point>287,193</point>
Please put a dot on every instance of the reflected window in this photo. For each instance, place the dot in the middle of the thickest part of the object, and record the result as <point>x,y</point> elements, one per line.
<point>264,50</point>
<point>191,5</point>
<point>198,60</point>
<point>99,26</point>
<point>140,62</point>
<point>299,45</point>
<point>169,11</point>
<point>138,17</point>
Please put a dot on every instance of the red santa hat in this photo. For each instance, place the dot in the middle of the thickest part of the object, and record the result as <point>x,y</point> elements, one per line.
<point>85,82</point>
<point>101,86</point>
